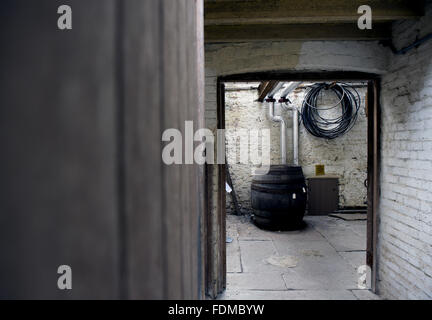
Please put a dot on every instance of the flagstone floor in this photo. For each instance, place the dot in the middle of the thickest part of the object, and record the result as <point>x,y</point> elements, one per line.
<point>318,262</point>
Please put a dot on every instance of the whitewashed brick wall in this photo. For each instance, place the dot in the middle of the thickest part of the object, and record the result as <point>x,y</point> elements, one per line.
<point>405,229</point>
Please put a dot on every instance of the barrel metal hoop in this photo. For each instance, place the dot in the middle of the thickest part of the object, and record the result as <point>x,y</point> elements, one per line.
<point>278,191</point>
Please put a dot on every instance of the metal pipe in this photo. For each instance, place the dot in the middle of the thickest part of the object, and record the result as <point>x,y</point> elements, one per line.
<point>283,99</point>
<point>283,141</point>
<point>275,89</point>
<point>295,113</point>
<point>290,87</point>
<point>282,130</point>
<point>295,137</point>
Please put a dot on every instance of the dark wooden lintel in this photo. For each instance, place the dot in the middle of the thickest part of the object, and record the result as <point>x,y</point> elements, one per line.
<point>299,32</point>
<point>229,12</point>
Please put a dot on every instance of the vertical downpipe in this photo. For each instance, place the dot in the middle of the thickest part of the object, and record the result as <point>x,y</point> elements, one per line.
<point>283,141</point>
<point>295,137</point>
<point>282,129</point>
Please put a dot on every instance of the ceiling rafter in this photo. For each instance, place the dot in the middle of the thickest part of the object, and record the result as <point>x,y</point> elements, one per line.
<point>261,20</point>
<point>264,88</point>
<point>219,12</point>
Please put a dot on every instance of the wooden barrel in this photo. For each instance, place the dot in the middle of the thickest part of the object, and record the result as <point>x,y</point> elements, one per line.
<point>279,197</point>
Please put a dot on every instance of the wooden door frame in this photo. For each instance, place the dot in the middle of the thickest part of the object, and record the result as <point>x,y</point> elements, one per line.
<point>373,156</point>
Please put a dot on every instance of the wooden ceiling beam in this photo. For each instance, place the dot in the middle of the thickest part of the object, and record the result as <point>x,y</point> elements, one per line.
<point>228,12</point>
<point>243,33</point>
<point>264,88</point>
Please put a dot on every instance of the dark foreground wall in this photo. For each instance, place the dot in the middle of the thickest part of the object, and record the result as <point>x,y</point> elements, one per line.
<point>81,177</point>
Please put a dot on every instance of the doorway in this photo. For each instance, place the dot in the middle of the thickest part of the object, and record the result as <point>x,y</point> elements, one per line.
<point>318,227</point>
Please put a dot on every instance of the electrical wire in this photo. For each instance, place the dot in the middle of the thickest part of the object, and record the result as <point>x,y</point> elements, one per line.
<point>326,127</point>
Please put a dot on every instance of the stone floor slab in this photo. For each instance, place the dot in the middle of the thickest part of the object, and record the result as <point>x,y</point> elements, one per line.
<point>346,241</point>
<point>254,255</point>
<point>339,233</point>
<point>355,259</point>
<point>359,227</point>
<point>248,231</point>
<point>318,262</point>
<point>309,233</point>
<point>255,281</point>
<point>365,295</point>
<point>233,259</point>
<point>288,295</point>
<point>231,227</point>
<point>305,249</point>
<point>350,216</point>
<point>321,276</point>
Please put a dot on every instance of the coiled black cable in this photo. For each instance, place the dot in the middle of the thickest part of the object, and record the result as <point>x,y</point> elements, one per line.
<point>330,128</point>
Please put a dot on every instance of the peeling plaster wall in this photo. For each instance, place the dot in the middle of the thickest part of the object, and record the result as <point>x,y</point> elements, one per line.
<point>405,213</point>
<point>345,156</point>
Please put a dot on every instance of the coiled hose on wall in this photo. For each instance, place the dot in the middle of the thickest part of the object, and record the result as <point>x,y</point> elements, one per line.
<point>327,127</point>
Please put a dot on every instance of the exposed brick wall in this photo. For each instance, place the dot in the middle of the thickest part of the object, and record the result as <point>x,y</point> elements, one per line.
<point>405,229</point>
